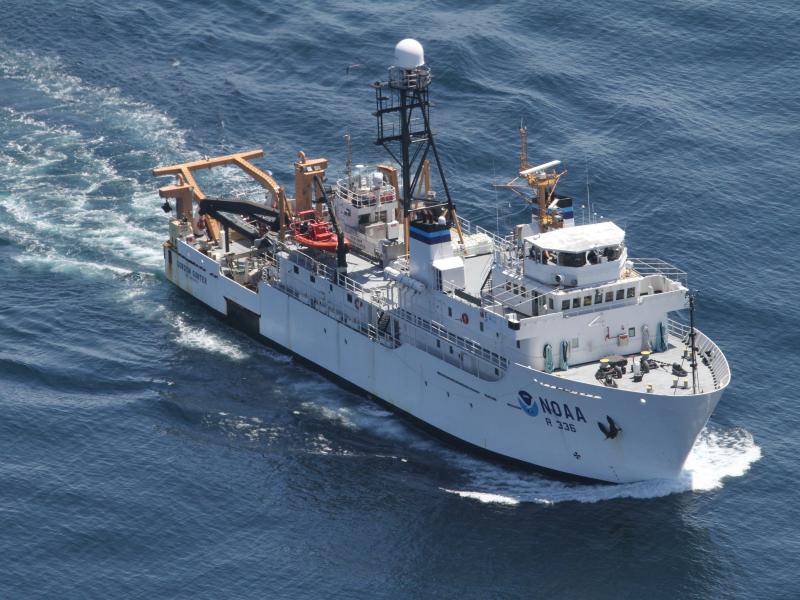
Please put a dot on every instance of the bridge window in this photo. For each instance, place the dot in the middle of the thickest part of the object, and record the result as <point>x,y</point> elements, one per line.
<point>612,252</point>
<point>620,294</point>
<point>631,331</point>
<point>550,303</point>
<point>564,304</point>
<point>576,303</point>
<point>598,297</point>
<point>610,296</point>
<point>631,292</point>
<point>571,259</point>
<point>587,300</point>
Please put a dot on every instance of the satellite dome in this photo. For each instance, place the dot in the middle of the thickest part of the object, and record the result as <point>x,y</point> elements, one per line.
<point>408,54</point>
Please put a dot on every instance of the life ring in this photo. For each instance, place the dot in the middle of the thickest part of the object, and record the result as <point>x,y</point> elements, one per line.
<point>465,318</point>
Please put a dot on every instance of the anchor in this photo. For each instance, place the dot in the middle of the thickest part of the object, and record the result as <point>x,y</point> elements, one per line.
<point>611,431</point>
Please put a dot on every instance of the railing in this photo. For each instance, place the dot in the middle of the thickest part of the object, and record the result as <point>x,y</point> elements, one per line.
<point>368,198</point>
<point>374,296</point>
<point>440,332</point>
<point>717,363</point>
<point>402,264</point>
<point>656,266</point>
<point>326,308</point>
<point>500,242</point>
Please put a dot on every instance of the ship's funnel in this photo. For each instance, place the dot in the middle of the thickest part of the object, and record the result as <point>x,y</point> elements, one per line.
<point>408,54</point>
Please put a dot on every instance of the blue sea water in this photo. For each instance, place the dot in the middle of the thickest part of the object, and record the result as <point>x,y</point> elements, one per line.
<point>148,450</point>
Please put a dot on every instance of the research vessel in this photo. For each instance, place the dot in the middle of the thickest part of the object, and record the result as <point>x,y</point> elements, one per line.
<point>550,346</point>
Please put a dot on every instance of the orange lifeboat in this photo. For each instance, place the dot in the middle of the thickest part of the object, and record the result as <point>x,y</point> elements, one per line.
<point>307,231</point>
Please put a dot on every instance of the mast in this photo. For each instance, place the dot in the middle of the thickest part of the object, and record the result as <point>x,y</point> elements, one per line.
<point>349,164</point>
<point>403,117</point>
<point>543,180</point>
<point>692,335</point>
<point>523,147</point>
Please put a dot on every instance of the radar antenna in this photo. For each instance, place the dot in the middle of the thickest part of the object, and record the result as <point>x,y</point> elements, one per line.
<point>543,179</point>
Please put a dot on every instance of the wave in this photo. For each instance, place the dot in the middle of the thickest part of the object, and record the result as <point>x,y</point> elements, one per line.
<point>200,338</point>
<point>75,167</point>
<point>716,456</point>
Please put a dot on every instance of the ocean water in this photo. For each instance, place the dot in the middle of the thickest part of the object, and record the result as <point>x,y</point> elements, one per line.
<point>147,450</point>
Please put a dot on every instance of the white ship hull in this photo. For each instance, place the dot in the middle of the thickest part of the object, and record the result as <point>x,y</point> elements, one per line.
<point>558,431</point>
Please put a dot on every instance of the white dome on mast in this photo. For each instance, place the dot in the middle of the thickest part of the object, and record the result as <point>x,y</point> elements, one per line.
<point>408,54</point>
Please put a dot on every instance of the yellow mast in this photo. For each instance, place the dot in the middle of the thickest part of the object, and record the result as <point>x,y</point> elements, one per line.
<point>541,178</point>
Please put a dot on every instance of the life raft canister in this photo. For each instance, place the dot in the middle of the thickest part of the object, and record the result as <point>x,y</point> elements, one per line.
<point>465,318</point>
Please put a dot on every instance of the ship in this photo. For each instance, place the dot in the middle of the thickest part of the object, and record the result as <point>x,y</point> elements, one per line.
<point>549,346</point>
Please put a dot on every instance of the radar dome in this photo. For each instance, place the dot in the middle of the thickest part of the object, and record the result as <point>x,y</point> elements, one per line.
<point>408,54</point>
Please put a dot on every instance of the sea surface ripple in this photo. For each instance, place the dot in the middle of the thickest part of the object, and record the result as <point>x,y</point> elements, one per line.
<point>149,450</point>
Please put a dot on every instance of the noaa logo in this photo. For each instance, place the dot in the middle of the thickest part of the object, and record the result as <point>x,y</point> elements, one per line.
<point>527,403</point>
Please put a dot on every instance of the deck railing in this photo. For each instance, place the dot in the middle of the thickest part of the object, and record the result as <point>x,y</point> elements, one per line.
<point>656,266</point>
<point>376,297</point>
<point>367,197</point>
<point>716,362</point>
<point>440,332</point>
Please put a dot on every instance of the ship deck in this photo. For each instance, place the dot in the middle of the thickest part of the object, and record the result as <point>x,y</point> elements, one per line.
<point>365,272</point>
<point>661,378</point>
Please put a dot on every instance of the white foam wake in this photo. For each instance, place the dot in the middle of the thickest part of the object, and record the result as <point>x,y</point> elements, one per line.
<point>199,338</point>
<point>64,199</point>
<point>716,456</point>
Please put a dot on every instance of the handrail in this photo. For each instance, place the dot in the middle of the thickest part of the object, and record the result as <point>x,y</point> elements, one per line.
<point>361,200</point>
<point>441,332</point>
<point>656,266</point>
<point>717,363</point>
<point>304,260</point>
<point>331,311</point>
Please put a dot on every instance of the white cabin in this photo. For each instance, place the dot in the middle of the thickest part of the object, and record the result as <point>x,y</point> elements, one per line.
<point>576,256</point>
<point>366,205</point>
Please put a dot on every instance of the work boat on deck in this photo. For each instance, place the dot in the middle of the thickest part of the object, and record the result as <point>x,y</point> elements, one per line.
<point>550,346</point>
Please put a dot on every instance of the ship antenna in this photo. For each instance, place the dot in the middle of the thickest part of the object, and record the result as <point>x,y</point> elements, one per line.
<point>523,145</point>
<point>496,204</point>
<point>349,164</point>
<point>692,335</point>
<point>588,197</point>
